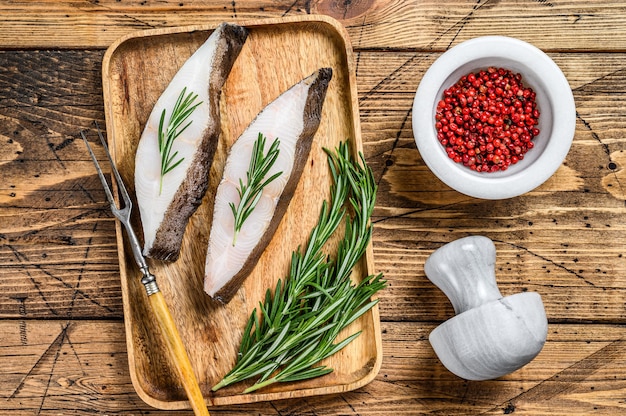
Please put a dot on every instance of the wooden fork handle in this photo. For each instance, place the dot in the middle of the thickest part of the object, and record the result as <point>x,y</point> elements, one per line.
<point>178,353</point>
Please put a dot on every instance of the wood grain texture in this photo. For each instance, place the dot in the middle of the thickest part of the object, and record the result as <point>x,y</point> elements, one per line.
<point>62,348</point>
<point>55,223</point>
<point>55,253</point>
<point>372,24</point>
<point>64,365</point>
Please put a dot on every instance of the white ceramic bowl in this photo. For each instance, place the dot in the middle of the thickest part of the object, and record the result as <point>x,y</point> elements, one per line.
<point>554,100</point>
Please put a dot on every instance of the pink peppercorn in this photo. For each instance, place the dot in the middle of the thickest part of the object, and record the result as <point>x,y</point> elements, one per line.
<point>487,120</point>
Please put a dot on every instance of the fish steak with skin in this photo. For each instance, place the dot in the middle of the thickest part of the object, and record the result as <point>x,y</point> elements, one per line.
<point>167,201</point>
<point>293,118</point>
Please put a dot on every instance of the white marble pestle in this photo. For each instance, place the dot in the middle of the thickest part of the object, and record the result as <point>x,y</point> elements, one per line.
<point>491,335</point>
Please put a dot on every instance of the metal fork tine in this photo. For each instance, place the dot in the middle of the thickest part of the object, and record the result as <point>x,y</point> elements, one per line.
<point>105,184</point>
<point>123,213</point>
<point>118,179</point>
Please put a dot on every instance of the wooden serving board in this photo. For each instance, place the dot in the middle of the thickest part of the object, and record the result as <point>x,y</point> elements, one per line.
<point>277,54</point>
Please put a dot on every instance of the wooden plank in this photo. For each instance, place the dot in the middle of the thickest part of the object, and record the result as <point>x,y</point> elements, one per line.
<point>60,366</point>
<point>564,240</point>
<point>419,24</point>
<point>58,256</point>
<point>52,202</point>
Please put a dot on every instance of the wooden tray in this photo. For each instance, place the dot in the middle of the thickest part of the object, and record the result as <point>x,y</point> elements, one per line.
<point>277,54</point>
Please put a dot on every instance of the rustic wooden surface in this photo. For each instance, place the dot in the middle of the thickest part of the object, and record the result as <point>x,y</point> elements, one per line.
<point>62,348</point>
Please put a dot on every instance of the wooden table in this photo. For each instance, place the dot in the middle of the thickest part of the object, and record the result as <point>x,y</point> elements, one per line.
<point>62,342</point>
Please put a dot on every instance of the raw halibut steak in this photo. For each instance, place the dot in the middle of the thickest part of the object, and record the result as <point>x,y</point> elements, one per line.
<point>167,201</point>
<point>293,119</point>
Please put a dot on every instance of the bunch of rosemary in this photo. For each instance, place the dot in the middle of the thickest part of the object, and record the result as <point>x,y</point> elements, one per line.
<point>299,323</point>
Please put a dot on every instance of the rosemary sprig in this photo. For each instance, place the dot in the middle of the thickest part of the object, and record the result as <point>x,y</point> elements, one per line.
<point>251,191</point>
<point>184,106</point>
<point>297,326</point>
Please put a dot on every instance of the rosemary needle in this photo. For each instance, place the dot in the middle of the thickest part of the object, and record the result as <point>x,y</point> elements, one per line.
<point>183,108</point>
<point>298,324</point>
<point>250,192</point>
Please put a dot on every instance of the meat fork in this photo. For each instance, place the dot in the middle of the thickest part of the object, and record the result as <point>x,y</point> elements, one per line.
<point>155,296</point>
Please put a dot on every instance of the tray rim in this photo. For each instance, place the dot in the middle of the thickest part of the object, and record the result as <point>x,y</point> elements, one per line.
<point>356,145</point>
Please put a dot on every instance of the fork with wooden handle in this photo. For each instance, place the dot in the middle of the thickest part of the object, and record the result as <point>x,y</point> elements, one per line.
<point>157,301</point>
